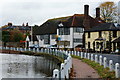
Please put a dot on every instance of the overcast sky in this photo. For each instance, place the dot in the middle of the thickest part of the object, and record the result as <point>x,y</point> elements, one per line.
<point>38,11</point>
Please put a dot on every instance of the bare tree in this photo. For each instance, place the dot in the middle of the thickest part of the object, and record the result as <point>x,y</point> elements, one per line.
<point>108,11</point>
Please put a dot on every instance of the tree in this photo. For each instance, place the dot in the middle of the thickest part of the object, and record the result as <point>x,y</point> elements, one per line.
<point>16,36</point>
<point>5,37</point>
<point>108,11</point>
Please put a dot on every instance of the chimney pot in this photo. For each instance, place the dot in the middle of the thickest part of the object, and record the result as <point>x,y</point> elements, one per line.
<point>97,12</point>
<point>86,10</point>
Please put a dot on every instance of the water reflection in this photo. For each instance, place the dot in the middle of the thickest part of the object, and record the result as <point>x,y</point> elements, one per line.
<point>24,66</point>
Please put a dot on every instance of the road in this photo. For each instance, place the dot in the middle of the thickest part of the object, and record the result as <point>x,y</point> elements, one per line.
<point>114,57</point>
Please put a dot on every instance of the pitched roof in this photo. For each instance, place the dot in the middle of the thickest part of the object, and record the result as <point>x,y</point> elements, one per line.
<point>77,20</point>
<point>104,27</point>
<point>117,40</point>
<point>49,27</point>
<point>80,20</point>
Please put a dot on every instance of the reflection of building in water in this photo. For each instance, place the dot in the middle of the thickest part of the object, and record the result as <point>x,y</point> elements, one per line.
<point>119,12</point>
<point>45,65</point>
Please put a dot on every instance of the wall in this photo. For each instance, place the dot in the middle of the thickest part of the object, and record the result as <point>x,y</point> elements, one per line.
<point>95,35</point>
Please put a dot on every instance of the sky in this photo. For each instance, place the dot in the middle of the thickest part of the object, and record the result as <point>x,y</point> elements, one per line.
<point>36,12</point>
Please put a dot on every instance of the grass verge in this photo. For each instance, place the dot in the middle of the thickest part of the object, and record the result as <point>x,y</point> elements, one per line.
<point>103,72</point>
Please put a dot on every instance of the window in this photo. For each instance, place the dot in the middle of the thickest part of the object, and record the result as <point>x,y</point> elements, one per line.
<point>64,31</point>
<point>78,30</point>
<point>54,36</point>
<point>41,37</point>
<point>114,34</point>
<point>46,39</point>
<point>77,40</point>
<point>100,34</point>
<point>97,45</point>
<point>88,34</point>
<point>88,45</point>
<point>107,44</point>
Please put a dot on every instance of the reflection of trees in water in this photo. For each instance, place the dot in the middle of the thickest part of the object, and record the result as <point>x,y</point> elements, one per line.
<point>45,65</point>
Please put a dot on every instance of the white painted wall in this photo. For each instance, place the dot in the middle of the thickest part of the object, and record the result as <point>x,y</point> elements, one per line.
<point>70,38</point>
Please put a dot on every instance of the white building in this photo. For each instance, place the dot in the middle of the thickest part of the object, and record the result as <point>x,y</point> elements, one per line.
<point>69,29</point>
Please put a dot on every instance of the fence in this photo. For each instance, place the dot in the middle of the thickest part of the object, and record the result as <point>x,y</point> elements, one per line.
<point>65,67</point>
<point>101,60</point>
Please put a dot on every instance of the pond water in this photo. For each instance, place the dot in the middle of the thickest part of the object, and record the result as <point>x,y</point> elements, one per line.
<point>25,66</point>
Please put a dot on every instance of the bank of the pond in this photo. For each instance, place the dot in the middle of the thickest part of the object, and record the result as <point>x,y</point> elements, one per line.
<point>31,54</point>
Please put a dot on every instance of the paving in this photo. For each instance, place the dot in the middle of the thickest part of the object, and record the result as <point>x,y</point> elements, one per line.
<point>83,70</point>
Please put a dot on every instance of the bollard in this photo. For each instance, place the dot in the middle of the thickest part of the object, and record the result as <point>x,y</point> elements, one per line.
<point>37,49</point>
<point>81,54</point>
<point>72,53</point>
<point>85,55</point>
<point>88,56</point>
<point>78,53</point>
<point>25,49</point>
<point>111,65</point>
<point>105,62</point>
<point>48,50</point>
<point>75,53</point>
<point>117,70</point>
<point>33,49</point>
<point>96,58</point>
<point>55,73</point>
<point>100,60</point>
<point>29,49</point>
<point>66,69</point>
<point>62,70</point>
<point>91,57</point>
<point>41,50</point>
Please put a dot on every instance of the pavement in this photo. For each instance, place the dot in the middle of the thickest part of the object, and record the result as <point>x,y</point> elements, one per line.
<point>83,70</point>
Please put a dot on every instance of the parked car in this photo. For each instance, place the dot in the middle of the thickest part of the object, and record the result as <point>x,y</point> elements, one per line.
<point>34,46</point>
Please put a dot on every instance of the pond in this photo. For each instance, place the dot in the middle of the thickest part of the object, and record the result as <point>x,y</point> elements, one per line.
<point>25,66</point>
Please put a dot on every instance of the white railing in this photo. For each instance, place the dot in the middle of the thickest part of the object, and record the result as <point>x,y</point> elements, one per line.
<point>101,60</point>
<point>65,67</point>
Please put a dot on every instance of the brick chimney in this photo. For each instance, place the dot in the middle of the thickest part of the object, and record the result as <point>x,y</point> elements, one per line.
<point>26,24</point>
<point>86,10</point>
<point>9,24</point>
<point>97,12</point>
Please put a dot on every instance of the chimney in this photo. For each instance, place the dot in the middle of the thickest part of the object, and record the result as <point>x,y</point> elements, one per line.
<point>86,10</point>
<point>23,24</point>
<point>97,12</point>
<point>9,24</point>
<point>26,24</point>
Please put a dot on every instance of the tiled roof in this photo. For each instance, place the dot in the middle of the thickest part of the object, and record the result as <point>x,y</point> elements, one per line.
<point>104,27</point>
<point>19,27</point>
<point>49,27</point>
<point>77,20</point>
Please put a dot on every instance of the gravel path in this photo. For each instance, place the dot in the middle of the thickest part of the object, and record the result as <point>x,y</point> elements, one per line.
<point>83,70</point>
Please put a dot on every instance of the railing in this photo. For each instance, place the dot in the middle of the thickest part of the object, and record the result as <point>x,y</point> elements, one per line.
<point>101,60</point>
<point>65,67</point>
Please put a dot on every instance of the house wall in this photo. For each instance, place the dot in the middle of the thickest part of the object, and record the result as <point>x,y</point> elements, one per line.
<point>70,38</point>
<point>41,41</point>
<point>95,35</point>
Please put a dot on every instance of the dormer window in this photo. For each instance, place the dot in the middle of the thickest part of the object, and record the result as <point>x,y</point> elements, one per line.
<point>78,30</point>
<point>60,25</point>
